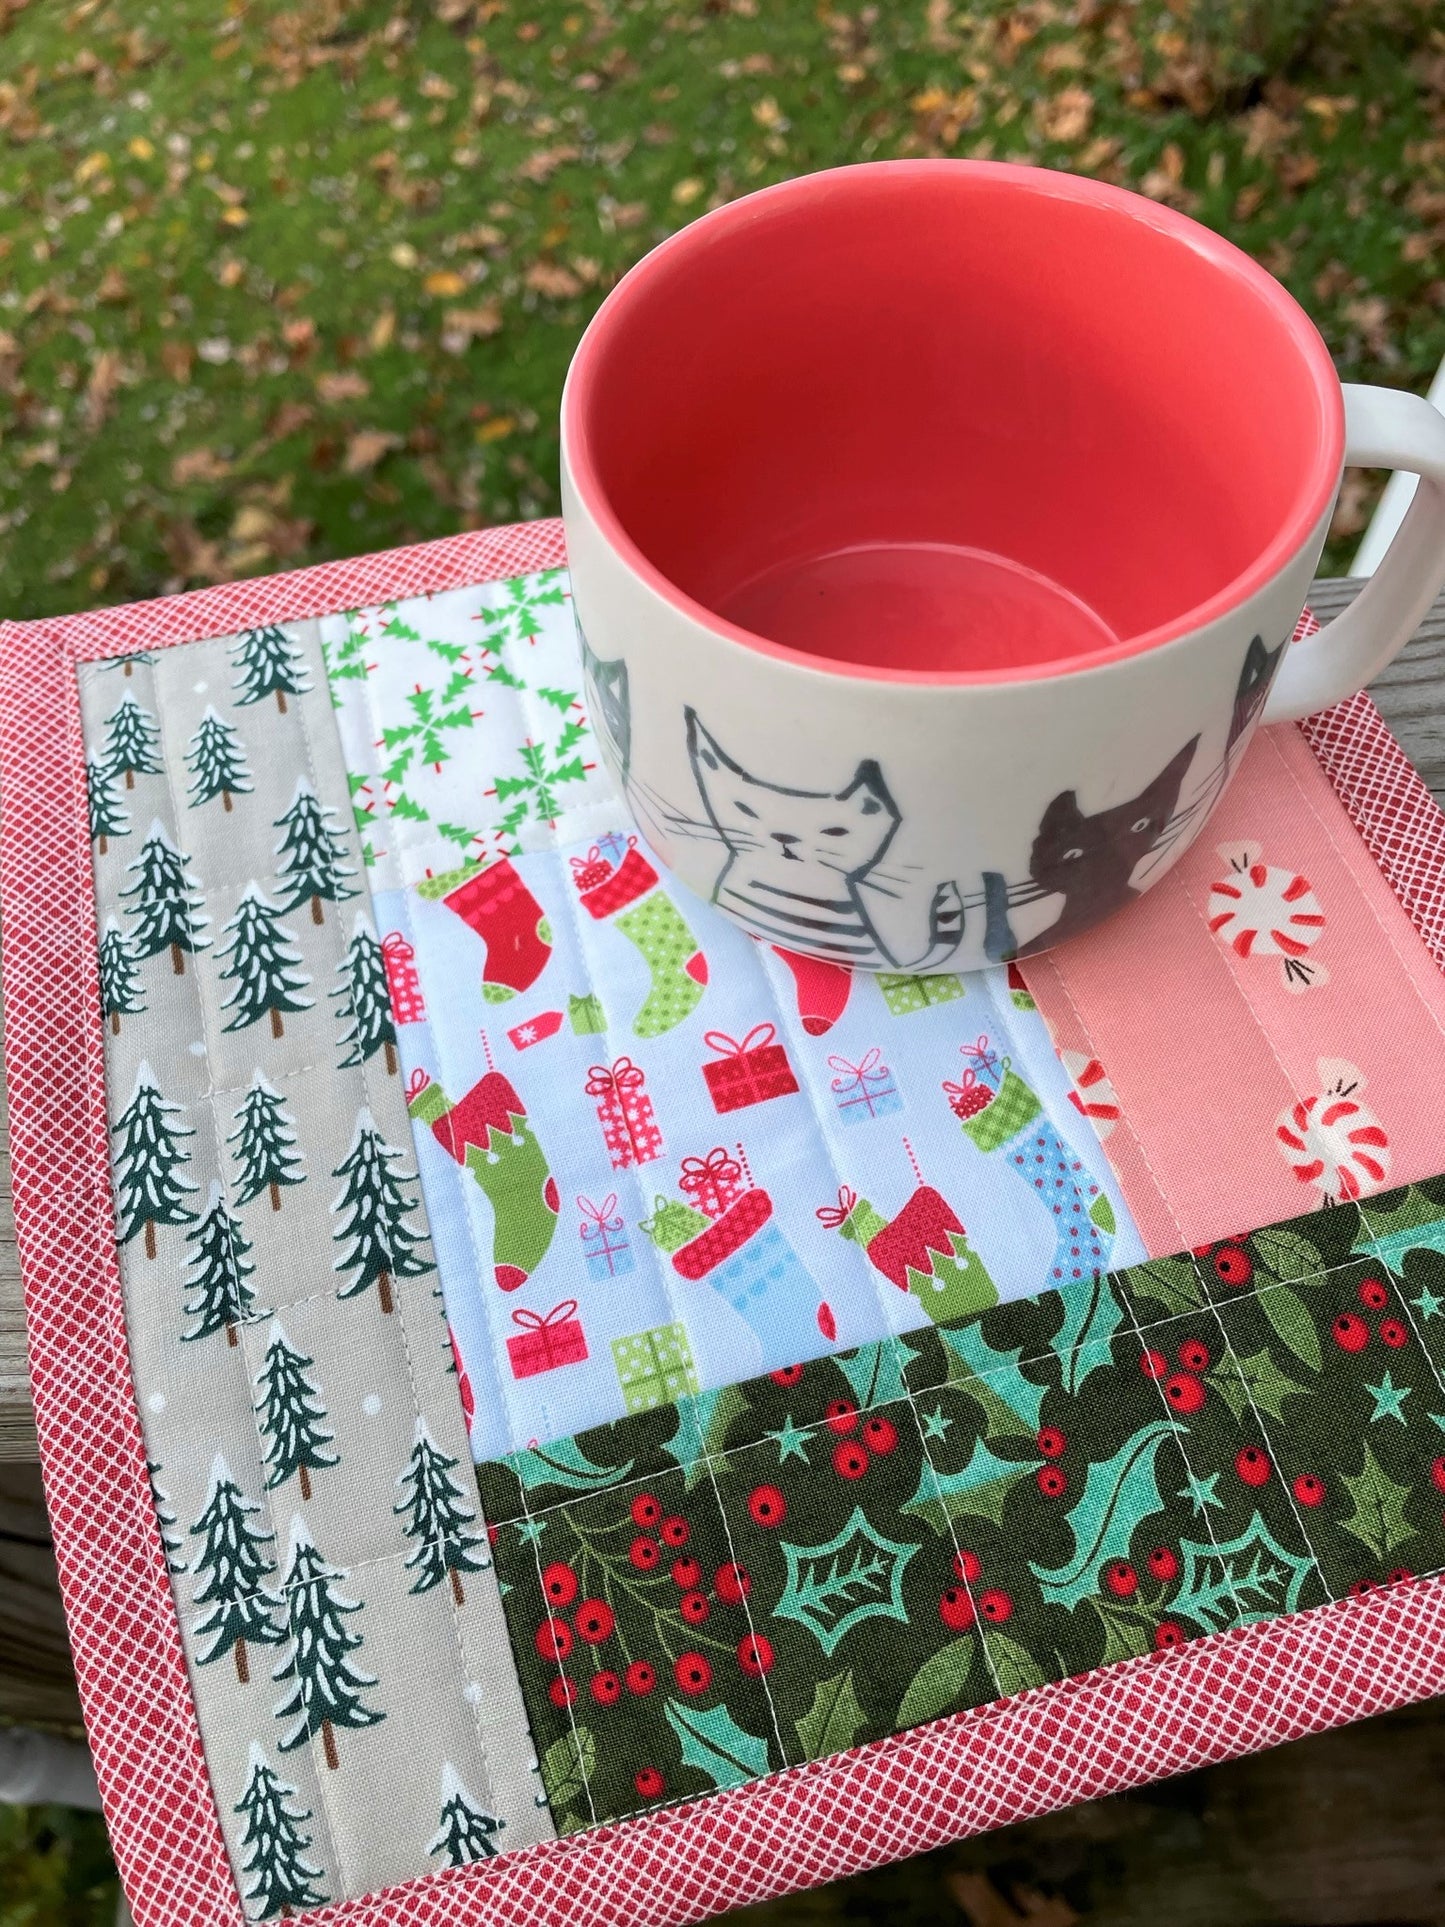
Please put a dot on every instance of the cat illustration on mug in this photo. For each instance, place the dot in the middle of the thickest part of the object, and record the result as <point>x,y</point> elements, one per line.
<point>805,868</point>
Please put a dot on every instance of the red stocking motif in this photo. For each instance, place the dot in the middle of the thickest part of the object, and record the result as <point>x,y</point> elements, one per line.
<point>497,904</point>
<point>822,989</point>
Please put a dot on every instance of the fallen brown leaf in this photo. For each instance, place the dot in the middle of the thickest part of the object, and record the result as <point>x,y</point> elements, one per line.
<point>462,326</point>
<point>382,331</point>
<point>985,1906</point>
<point>541,166</point>
<point>343,384</point>
<point>198,465</point>
<point>177,358</point>
<point>446,283</point>
<point>550,278</point>
<point>1065,116</point>
<point>1355,505</point>
<point>367,448</point>
<point>100,389</point>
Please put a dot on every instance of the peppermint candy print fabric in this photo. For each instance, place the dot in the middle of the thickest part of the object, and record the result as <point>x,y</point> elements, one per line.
<point>1293,1031</point>
<point>751,1578</point>
<point>657,1154</point>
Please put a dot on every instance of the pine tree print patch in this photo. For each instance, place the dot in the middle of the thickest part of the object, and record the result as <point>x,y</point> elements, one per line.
<point>294,1371</point>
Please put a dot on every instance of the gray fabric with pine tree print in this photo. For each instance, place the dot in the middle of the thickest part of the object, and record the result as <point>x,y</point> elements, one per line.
<point>357,1698</point>
<point>766,1574</point>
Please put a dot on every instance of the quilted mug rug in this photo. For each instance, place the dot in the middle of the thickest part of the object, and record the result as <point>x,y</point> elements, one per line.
<point>555,1410</point>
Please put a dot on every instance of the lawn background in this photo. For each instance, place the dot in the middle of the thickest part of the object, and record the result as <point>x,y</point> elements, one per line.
<point>286,282</point>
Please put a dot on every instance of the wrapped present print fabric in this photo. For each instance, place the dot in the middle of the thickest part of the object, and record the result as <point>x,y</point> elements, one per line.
<point>513,1353</point>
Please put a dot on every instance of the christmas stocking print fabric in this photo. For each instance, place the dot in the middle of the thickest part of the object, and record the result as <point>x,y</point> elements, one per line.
<point>575,1034</point>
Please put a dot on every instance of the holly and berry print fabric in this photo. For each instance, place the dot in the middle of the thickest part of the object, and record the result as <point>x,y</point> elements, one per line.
<point>753,1577</point>
<point>288,1342</point>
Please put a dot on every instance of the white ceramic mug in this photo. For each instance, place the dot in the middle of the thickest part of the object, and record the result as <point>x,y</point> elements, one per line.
<point>937,532</point>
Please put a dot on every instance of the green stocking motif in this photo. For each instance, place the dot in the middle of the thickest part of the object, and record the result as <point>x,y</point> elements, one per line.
<point>489,1133</point>
<point>656,927</point>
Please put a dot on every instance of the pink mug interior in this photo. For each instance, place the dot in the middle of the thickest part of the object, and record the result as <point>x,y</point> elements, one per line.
<point>953,420</point>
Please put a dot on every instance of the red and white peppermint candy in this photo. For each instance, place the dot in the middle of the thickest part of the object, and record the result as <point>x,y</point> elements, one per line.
<point>1262,910</point>
<point>1332,1140</point>
<point>1093,1093</point>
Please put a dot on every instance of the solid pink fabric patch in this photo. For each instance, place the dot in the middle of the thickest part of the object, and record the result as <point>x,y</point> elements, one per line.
<point>1264,1030</point>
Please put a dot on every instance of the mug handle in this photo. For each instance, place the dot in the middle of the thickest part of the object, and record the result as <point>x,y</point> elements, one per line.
<point>1384,428</point>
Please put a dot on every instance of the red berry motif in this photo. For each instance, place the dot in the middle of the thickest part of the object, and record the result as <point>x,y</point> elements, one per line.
<point>850,1459</point>
<point>967,1565</point>
<point>880,1434</point>
<point>1351,1333</point>
<point>1121,1578</point>
<point>646,1510</point>
<point>559,1582</point>
<point>641,1677</point>
<point>1184,1392</point>
<point>767,1505</point>
<point>955,1609</point>
<point>1052,1442</point>
<point>686,1574</point>
<point>786,1375</point>
<point>1154,1365</point>
<point>841,1415</point>
<point>1308,1490</point>
<point>1163,1564</point>
<point>755,1654</point>
<point>732,1584</point>
<point>606,1688</point>
<point>1233,1266</point>
<point>1360,1587</point>
<point>649,1782</point>
<point>1051,1481</point>
<point>1437,1473</point>
<point>693,1673</point>
<point>1168,1633</point>
<point>644,1553</point>
<point>996,1606</point>
<point>694,1607</point>
<point>562,1691</point>
<point>1401,1575</point>
<point>1194,1355</point>
<point>1393,1333</point>
<point>1252,1464</point>
<point>594,1621</point>
<point>554,1639</point>
<point>1374,1294</point>
<point>675,1531</point>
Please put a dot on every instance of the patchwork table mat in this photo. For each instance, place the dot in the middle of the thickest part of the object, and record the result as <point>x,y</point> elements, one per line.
<point>555,1410</point>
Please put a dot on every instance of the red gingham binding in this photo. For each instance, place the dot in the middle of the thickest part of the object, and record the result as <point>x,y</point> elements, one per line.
<point>1123,1726</point>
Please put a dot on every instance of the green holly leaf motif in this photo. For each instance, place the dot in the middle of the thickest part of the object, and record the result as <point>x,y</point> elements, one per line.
<point>939,1686</point>
<point>1091,1317</point>
<point>831,1723</point>
<point>1171,1283</point>
<point>568,1766</point>
<point>1128,1627</point>
<point>855,1576</point>
<point>1256,1379</point>
<point>1378,1520</point>
<point>1014,1666</point>
<point>563,1463</point>
<point>980,1490</point>
<point>875,1372</point>
<point>1284,1254</point>
<point>1010,1402</point>
<point>1102,1213</point>
<point>704,1420</point>
<point>1238,1581</point>
<point>1414,1224</point>
<point>1119,1495</point>
<point>1290,1316</point>
<point>716,1745</point>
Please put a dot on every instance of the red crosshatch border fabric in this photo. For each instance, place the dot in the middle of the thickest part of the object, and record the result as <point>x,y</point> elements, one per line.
<point>1131,1723</point>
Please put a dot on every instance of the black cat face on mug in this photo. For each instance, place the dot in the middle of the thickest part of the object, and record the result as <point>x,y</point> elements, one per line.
<point>1090,859</point>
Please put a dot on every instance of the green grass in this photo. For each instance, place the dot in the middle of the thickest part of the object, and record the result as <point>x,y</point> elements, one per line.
<point>253,255</point>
